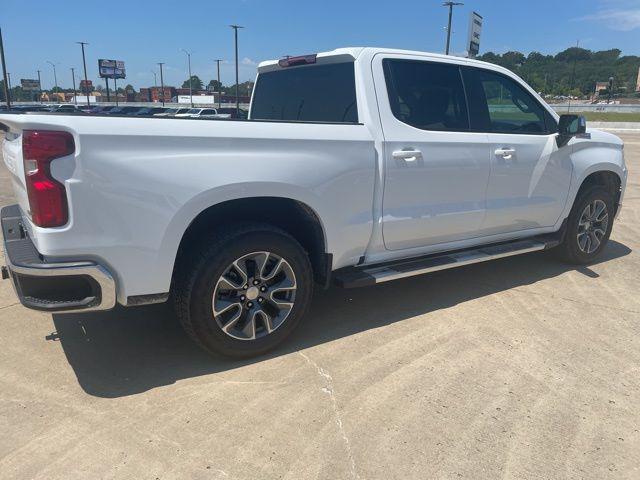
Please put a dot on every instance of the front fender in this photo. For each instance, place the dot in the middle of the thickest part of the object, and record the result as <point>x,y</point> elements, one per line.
<point>601,152</point>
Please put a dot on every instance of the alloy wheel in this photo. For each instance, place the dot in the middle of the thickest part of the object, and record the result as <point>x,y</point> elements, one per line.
<point>254,295</point>
<point>592,226</point>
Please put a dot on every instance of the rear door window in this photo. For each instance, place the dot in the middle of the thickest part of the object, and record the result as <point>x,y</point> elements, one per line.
<point>426,95</point>
<point>312,93</point>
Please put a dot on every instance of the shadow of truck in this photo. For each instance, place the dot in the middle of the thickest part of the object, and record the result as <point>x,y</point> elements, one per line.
<point>131,350</point>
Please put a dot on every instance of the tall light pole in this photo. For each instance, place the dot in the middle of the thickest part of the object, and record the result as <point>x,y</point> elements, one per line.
<point>190,86</point>
<point>161,82</point>
<point>217,60</point>
<point>39,87</point>
<point>450,5</point>
<point>55,76</point>
<point>7,95</point>
<point>573,74</point>
<point>73,77</point>
<point>235,32</point>
<point>155,79</point>
<point>86,80</point>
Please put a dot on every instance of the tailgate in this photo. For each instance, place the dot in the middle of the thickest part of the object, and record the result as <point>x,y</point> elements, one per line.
<point>12,155</point>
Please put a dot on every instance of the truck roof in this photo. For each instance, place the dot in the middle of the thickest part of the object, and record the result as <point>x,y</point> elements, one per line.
<point>352,53</point>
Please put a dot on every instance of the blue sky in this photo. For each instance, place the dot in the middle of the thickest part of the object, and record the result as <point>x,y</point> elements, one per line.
<point>144,32</point>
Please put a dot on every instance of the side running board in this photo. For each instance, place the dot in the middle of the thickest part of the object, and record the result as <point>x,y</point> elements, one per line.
<point>374,274</point>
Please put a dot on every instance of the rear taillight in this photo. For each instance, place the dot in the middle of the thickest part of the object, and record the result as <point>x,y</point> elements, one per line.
<point>47,196</point>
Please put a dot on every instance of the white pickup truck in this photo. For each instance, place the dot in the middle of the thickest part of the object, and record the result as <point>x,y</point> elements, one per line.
<point>356,167</point>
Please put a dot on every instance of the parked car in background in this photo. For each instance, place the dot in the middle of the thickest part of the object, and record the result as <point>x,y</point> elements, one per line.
<point>171,112</point>
<point>200,113</point>
<point>65,108</point>
<point>188,113</point>
<point>101,109</point>
<point>357,166</point>
<point>31,108</point>
<point>123,110</point>
<point>233,113</point>
<point>149,111</point>
<point>209,113</point>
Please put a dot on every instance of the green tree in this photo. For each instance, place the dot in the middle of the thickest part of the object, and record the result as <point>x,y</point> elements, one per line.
<point>214,85</point>
<point>571,71</point>
<point>243,88</point>
<point>196,83</point>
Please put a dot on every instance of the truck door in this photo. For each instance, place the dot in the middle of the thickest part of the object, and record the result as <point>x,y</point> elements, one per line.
<point>530,175</point>
<point>436,169</point>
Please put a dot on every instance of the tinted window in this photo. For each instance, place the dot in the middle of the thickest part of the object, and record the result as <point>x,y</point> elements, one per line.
<point>208,112</point>
<point>426,95</point>
<point>500,105</point>
<point>318,93</point>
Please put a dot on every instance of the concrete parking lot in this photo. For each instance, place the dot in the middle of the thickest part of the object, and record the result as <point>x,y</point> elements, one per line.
<point>519,368</point>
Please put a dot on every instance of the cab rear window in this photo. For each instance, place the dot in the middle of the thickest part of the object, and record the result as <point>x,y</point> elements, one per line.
<point>317,93</point>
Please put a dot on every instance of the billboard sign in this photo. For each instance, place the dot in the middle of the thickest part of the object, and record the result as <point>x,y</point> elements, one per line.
<point>30,85</point>
<point>111,68</point>
<point>86,86</point>
<point>475,29</point>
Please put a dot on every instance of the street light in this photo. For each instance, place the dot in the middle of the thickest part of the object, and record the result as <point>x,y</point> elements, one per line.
<point>86,80</point>
<point>7,93</point>
<point>217,60</point>
<point>161,82</point>
<point>73,77</point>
<point>450,5</point>
<point>235,32</point>
<point>39,86</point>
<point>55,76</point>
<point>190,86</point>
<point>155,79</point>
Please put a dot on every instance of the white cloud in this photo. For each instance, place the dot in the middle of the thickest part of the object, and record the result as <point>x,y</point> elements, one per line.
<point>248,61</point>
<point>621,19</point>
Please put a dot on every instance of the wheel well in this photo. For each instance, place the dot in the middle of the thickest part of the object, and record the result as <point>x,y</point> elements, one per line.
<point>292,216</point>
<point>607,179</point>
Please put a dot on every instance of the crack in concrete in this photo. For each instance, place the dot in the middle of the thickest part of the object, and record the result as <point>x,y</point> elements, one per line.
<point>329,390</point>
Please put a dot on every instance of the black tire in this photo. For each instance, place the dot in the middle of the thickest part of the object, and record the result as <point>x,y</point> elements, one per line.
<point>569,250</point>
<point>198,274</point>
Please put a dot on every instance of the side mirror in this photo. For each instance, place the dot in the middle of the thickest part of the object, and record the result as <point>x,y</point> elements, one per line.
<point>569,127</point>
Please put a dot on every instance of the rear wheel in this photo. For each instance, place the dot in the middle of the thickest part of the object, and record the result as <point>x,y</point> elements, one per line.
<point>589,226</point>
<point>244,291</point>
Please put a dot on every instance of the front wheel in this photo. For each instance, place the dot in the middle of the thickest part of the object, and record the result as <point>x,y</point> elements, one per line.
<point>244,291</point>
<point>589,226</point>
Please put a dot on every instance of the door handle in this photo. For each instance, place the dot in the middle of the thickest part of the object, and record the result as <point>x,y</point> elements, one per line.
<point>506,153</point>
<point>407,155</point>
